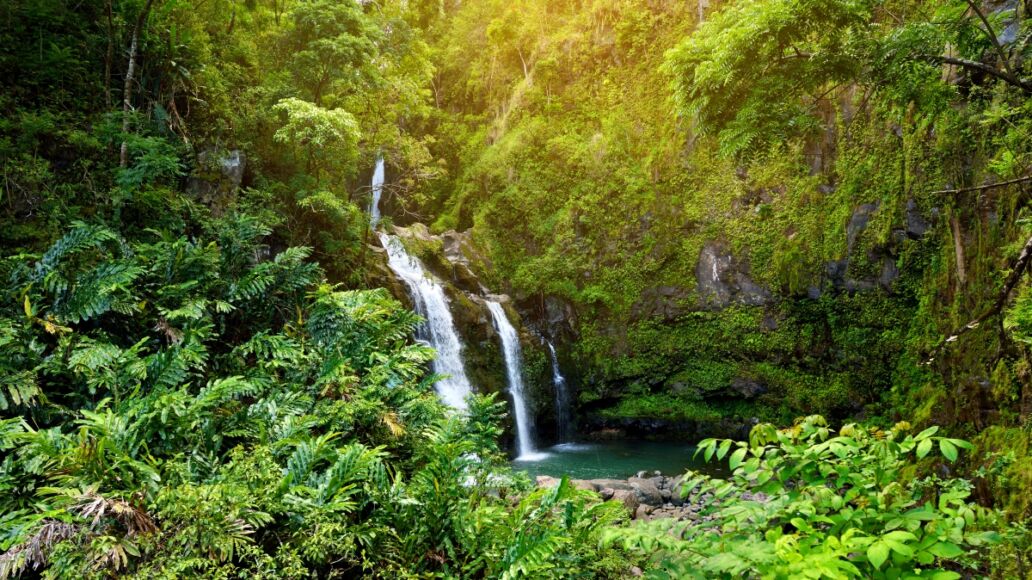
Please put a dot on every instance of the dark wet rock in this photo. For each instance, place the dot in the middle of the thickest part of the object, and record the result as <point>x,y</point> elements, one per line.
<point>858,223</point>
<point>917,225</point>
<point>665,302</point>
<point>747,388</point>
<point>217,177</point>
<point>889,273</point>
<point>600,428</point>
<point>606,434</point>
<point>379,274</point>
<point>722,279</point>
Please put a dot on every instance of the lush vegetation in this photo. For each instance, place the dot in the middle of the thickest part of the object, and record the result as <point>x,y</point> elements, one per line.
<point>748,212</point>
<point>806,503</point>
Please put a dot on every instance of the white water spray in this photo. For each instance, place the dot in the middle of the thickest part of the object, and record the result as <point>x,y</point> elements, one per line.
<point>563,416</point>
<point>377,185</point>
<point>513,368</point>
<point>430,303</point>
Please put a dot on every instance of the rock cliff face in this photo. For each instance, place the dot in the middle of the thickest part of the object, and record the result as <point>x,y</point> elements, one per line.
<point>722,282</point>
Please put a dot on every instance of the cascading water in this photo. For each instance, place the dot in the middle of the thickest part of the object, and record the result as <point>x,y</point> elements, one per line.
<point>377,185</point>
<point>513,368</point>
<point>430,303</point>
<point>563,415</point>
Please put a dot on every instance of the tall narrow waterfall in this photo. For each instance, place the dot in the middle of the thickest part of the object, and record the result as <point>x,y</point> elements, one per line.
<point>430,303</point>
<point>377,186</point>
<point>563,415</point>
<point>513,367</point>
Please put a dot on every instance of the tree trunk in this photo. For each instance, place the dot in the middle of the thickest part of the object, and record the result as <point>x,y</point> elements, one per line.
<point>958,248</point>
<point>110,55</point>
<point>127,91</point>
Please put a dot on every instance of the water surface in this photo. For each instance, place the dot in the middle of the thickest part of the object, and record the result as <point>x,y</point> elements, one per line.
<point>616,459</point>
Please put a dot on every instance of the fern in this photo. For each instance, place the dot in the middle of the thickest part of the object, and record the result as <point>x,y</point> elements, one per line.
<point>20,389</point>
<point>106,287</point>
<point>81,237</point>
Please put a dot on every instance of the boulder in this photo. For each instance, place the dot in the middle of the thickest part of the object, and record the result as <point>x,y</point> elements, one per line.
<point>217,177</point>
<point>858,223</point>
<point>584,484</point>
<point>628,499</point>
<point>621,484</point>
<point>646,491</point>
<point>916,223</point>
<point>546,481</point>
<point>643,512</point>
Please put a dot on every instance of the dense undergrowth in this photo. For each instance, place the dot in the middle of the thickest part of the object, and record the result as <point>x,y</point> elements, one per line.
<point>196,381</point>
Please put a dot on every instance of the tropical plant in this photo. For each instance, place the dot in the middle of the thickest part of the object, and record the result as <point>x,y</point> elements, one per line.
<point>806,502</point>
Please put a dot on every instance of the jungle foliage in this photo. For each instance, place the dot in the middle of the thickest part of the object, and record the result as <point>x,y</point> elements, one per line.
<point>196,379</point>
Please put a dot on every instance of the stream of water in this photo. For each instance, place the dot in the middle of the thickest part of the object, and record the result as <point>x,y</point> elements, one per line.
<point>429,300</point>
<point>563,414</point>
<point>514,371</point>
<point>616,459</point>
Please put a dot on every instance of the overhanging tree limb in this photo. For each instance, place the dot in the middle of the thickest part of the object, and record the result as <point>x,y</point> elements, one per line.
<point>1017,269</point>
<point>987,186</point>
<point>992,37</point>
<point>989,70</point>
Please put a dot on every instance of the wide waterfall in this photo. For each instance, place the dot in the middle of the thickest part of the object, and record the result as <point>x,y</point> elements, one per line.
<point>430,303</point>
<point>514,370</point>
<point>563,415</point>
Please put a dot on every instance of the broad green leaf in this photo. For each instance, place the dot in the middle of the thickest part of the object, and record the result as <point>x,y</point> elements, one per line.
<point>927,433</point>
<point>949,451</point>
<point>736,458</point>
<point>724,447</point>
<point>945,550</point>
<point>877,553</point>
<point>923,448</point>
<point>961,443</point>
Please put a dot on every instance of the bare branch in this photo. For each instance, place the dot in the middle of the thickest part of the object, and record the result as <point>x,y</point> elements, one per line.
<point>1017,269</point>
<point>981,66</point>
<point>984,187</point>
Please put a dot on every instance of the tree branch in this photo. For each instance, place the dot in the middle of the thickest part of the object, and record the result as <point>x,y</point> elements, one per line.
<point>990,70</point>
<point>1017,269</point>
<point>992,37</point>
<point>984,187</point>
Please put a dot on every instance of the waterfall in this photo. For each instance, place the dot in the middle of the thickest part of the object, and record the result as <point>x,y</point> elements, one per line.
<point>514,370</point>
<point>563,416</point>
<point>377,186</point>
<point>438,330</point>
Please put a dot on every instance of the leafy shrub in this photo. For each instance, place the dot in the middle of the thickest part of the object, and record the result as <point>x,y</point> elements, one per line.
<point>805,502</point>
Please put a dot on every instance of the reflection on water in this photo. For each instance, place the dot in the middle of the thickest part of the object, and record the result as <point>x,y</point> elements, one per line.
<point>617,459</point>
